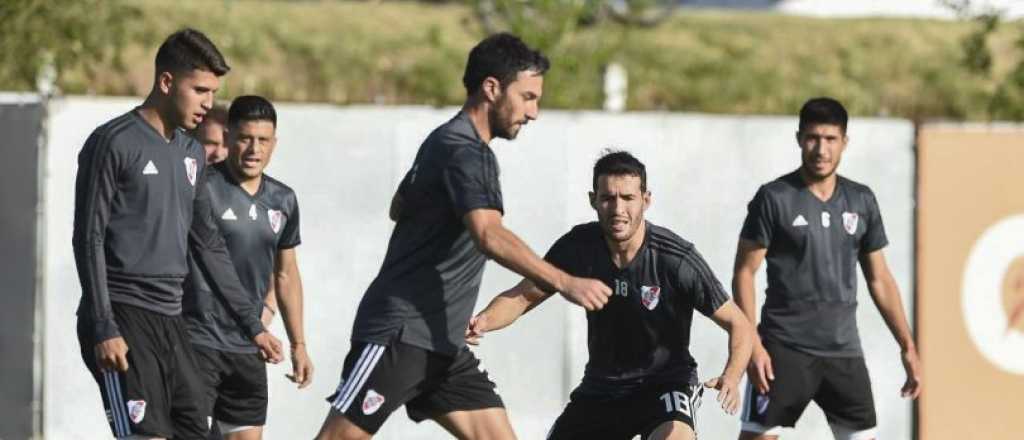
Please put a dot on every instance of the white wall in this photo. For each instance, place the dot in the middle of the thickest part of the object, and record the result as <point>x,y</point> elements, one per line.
<point>344,163</point>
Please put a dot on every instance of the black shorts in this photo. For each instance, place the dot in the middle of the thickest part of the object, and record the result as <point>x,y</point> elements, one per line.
<point>623,418</point>
<point>234,386</point>
<point>839,385</point>
<point>159,394</point>
<point>377,379</point>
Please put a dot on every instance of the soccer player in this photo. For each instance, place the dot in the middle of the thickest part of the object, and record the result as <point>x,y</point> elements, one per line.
<point>640,379</point>
<point>210,134</point>
<point>408,342</point>
<point>140,207</point>
<point>814,226</point>
<point>259,218</point>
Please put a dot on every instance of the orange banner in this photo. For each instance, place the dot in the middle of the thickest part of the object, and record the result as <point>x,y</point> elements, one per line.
<point>970,271</point>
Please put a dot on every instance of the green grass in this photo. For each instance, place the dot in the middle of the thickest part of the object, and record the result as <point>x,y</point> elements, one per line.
<point>719,62</point>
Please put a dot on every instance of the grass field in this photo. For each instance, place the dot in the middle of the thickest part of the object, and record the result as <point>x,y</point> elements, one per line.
<point>720,62</point>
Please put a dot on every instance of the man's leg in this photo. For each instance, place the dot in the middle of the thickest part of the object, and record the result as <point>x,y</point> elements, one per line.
<point>798,376</point>
<point>376,380</point>
<point>241,409</point>
<point>461,398</point>
<point>189,411</point>
<point>672,431</point>
<point>845,397</point>
<point>132,399</point>
<point>478,424</point>
<point>668,412</point>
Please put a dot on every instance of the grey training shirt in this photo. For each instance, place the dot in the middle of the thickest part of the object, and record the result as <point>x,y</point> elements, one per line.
<point>428,284</point>
<point>812,251</point>
<point>255,228</point>
<point>139,209</point>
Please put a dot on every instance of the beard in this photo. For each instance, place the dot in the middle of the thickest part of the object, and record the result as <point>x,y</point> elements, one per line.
<point>500,120</point>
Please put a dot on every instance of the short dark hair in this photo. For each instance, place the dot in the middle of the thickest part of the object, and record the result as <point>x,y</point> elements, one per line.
<point>218,113</point>
<point>501,56</point>
<point>188,49</point>
<point>823,110</point>
<point>620,163</point>
<point>251,108</point>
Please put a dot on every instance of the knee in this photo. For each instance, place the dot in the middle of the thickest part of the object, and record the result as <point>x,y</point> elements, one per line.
<point>745,435</point>
<point>338,427</point>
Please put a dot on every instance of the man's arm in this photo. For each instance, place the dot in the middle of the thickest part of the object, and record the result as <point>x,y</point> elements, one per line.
<point>886,295</point>
<point>95,188</point>
<point>269,303</point>
<point>731,319</point>
<point>210,251</point>
<point>749,256</point>
<point>289,298</point>
<point>502,245</point>
<point>505,309</point>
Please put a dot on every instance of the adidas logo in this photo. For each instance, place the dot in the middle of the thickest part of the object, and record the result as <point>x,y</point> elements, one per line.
<point>150,169</point>
<point>800,221</point>
<point>229,215</point>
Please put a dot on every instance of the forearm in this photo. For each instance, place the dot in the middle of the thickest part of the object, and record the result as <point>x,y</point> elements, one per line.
<point>887,298</point>
<point>289,300</point>
<point>223,278</point>
<point>90,262</point>
<point>504,247</point>
<point>503,310</point>
<point>743,289</point>
<point>741,342</point>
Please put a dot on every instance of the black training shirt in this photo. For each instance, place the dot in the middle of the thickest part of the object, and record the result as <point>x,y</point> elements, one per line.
<point>642,335</point>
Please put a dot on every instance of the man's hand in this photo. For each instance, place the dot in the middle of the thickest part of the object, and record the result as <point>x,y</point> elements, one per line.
<point>302,367</point>
<point>112,354</point>
<point>477,328</point>
<point>270,347</point>
<point>760,370</point>
<point>728,392</point>
<point>912,365</point>
<point>588,293</point>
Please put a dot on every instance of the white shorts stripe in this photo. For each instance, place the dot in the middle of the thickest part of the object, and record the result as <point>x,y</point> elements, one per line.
<point>360,372</point>
<point>346,382</point>
<point>372,362</point>
<point>116,403</point>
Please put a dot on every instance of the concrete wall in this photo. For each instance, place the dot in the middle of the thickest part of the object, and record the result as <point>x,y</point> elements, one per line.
<point>20,126</point>
<point>344,164</point>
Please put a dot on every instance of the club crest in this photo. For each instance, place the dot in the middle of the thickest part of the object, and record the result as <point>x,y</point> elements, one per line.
<point>372,402</point>
<point>649,296</point>
<point>275,217</point>
<point>136,410</point>
<point>191,169</point>
<point>850,220</point>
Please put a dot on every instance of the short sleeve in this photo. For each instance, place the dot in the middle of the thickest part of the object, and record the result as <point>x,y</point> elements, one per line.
<point>699,283</point>
<point>760,221</point>
<point>471,179</point>
<point>874,239</point>
<point>290,236</point>
<point>562,253</point>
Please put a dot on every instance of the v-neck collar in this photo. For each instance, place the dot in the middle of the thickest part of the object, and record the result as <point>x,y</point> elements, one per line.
<point>152,130</point>
<point>223,166</point>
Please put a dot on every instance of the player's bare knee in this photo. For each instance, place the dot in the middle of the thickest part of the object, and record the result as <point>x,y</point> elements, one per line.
<point>673,430</point>
<point>338,427</point>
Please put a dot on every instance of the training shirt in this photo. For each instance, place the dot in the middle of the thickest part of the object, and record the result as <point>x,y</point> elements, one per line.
<point>812,252</point>
<point>642,335</point>
<point>255,227</point>
<point>139,209</point>
<point>428,284</point>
